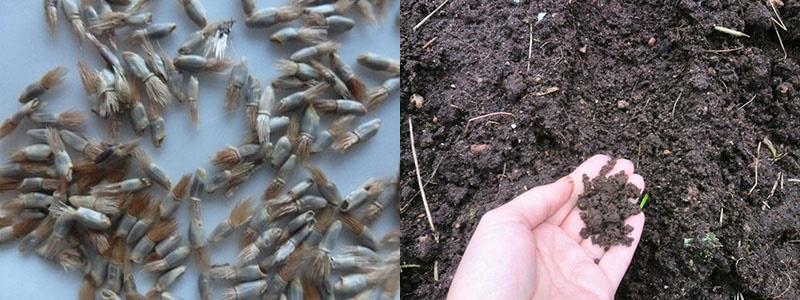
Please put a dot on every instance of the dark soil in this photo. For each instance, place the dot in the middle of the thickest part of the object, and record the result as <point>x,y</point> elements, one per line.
<point>636,79</point>
<point>605,204</point>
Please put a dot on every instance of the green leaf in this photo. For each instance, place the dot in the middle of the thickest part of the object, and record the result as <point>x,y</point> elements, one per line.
<point>644,200</point>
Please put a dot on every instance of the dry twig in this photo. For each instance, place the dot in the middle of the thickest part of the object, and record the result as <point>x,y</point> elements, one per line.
<point>756,162</point>
<point>419,180</point>
<point>676,104</point>
<point>530,46</point>
<point>430,15</point>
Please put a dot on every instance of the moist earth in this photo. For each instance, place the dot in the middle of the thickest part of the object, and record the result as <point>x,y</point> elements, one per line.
<point>606,202</point>
<point>650,81</point>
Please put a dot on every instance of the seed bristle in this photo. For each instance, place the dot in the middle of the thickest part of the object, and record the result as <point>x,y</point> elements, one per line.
<point>251,115</point>
<point>54,140</point>
<point>285,210</point>
<point>218,65</point>
<point>296,261</point>
<point>119,252</point>
<point>93,150</point>
<point>162,230</point>
<point>24,227</point>
<point>376,186</point>
<point>376,97</point>
<point>109,21</point>
<point>53,77</point>
<point>59,209</point>
<point>325,105</point>
<point>180,190</point>
<point>7,128</point>
<point>155,266</point>
<point>51,14</point>
<point>118,173</point>
<point>315,91</point>
<point>274,189</point>
<point>139,204</point>
<point>107,205</point>
<point>319,266</point>
<point>286,67</point>
<point>232,95</point>
<point>240,171</point>
<point>317,175</point>
<point>6,221</point>
<point>367,11</point>
<point>141,157</point>
<point>344,5</point>
<point>344,143</point>
<point>70,259</point>
<point>17,157</point>
<point>88,289</point>
<point>248,237</point>
<point>71,119</point>
<point>84,167</point>
<point>99,240</point>
<point>222,272</point>
<point>248,254</point>
<point>313,35</point>
<point>157,91</point>
<point>351,223</point>
<point>241,213</point>
<point>357,88</point>
<point>226,158</point>
<point>153,111</point>
<point>88,77</point>
<point>341,125</point>
<point>230,294</point>
<point>391,240</point>
<point>324,219</point>
<point>8,184</point>
<point>304,147</point>
<point>314,19</point>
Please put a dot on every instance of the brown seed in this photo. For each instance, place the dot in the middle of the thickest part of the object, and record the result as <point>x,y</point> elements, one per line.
<point>652,41</point>
<point>477,149</point>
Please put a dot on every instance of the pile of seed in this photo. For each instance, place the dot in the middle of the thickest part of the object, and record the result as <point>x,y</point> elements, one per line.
<point>78,205</point>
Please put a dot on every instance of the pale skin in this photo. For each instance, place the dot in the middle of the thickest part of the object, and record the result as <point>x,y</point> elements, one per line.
<point>530,247</point>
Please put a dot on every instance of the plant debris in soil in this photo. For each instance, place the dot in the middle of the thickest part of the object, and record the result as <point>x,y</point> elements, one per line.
<point>604,205</point>
<point>620,67</point>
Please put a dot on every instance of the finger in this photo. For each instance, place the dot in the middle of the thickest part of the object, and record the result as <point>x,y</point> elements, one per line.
<point>573,223</point>
<point>591,167</point>
<point>617,259</point>
<point>536,205</point>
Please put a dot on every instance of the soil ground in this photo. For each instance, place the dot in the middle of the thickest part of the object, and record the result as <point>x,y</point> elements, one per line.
<point>651,81</point>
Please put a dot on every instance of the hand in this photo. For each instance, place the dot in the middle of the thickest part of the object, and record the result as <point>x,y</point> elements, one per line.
<point>530,248</point>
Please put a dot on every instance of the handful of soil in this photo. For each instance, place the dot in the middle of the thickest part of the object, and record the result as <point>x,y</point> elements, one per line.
<point>605,204</point>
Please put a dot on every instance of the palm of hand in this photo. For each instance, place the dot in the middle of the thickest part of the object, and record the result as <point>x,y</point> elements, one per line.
<point>530,248</point>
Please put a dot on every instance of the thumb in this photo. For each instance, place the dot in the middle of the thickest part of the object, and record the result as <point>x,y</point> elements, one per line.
<point>536,205</point>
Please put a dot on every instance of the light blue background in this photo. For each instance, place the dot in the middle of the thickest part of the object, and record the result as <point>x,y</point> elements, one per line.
<point>28,51</point>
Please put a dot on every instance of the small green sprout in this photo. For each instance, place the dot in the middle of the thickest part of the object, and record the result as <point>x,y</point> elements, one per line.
<point>707,243</point>
<point>711,240</point>
<point>644,200</point>
<point>473,212</point>
<point>772,150</point>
